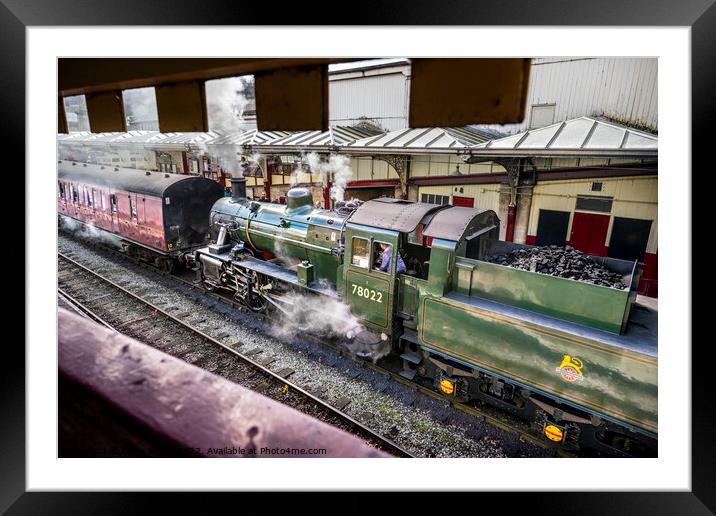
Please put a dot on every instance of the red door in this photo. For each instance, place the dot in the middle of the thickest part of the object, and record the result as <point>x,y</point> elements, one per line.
<point>589,233</point>
<point>467,202</point>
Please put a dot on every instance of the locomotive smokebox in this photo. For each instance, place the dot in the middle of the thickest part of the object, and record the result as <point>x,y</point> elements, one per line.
<point>238,189</point>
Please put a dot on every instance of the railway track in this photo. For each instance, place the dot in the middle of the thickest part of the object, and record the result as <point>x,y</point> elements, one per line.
<point>112,305</point>
<point>493,417</point>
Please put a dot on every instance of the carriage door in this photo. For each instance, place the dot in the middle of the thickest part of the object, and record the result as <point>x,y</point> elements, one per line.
<point>113,211</point>
<point>369,291</point>
<point>133,226</point>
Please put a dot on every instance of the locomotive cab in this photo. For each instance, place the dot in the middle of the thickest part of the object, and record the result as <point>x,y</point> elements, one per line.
<point>420,242</point>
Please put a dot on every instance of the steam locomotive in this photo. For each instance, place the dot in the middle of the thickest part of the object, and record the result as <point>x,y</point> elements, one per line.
<point>576,360</point>
<point>579,360</point>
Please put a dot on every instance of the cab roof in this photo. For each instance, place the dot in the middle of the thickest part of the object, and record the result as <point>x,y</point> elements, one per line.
<point>441,221</point>
<point>393,214</point>
<point>451,223</point>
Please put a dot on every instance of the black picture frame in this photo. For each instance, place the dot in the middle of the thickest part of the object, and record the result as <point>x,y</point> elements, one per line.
<point>16,15</point>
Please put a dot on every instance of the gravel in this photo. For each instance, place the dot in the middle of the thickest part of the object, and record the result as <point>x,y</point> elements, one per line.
<point>425,426</point>
<point>563,262</point>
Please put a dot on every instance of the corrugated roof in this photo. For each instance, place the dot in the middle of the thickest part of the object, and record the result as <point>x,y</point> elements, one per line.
<point>427,139</point>
<point>579,136</point>
<point>335,136</point>
<point>253,137</point>
<point>153,138</point>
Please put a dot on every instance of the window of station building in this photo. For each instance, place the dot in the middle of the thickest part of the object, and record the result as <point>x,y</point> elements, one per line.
<point>542,115</point>
<point>435,199</point>
<point>140,108</point>
<point>594,203</point>
<point>231,103</point>
<point>361,252</point>
<point>76,113</point>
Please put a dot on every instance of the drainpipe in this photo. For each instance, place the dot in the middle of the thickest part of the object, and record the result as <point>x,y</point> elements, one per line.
<point>510,230</point>
<point>327,194</point>
<point>514,180</point>
<point>267,181</point>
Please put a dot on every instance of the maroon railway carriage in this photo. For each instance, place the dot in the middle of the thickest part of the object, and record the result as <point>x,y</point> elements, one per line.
<point>158,216</point>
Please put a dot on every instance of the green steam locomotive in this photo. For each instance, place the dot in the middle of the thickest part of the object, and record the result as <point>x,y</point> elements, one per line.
<point>578,360</point>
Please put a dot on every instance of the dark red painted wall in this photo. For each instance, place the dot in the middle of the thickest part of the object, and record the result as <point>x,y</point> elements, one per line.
<point>589,232</point>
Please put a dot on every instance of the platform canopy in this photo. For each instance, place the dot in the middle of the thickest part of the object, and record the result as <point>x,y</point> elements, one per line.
<point>584,136</point>
<point>307,141</point>
<point>431,140</point>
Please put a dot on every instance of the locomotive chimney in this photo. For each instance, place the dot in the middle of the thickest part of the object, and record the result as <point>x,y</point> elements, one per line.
<point>238,189</point>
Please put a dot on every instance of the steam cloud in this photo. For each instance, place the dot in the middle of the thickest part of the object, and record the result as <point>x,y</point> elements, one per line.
<point>140,106</point>
<point>327,317</point>
<point>86,230</point>
<point>338,166</point>
<point>227,100</point>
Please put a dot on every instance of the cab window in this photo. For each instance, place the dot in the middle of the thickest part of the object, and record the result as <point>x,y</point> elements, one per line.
<point>382,256</point>
<point>360,252</point>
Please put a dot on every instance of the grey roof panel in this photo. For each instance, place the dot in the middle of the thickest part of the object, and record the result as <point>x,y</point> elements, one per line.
<point>450,223</point>
<point>427,138</point>
<point>127,179</point>
<point>393,214</point>
<point>580,135</point>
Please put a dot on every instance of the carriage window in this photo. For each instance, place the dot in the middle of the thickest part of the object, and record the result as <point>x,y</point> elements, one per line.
<point>75,194</point>
<point>61,192</point>
<point>133,207</point>
<point>113,202</point>
<point>90,197</point>
<point>361,252</point>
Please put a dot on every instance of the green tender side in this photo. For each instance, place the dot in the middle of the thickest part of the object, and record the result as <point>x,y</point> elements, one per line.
<point>618,383</point>
<point>583,303</point>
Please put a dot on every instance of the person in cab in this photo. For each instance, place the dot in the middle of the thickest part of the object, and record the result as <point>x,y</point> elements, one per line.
<point>386,256</point>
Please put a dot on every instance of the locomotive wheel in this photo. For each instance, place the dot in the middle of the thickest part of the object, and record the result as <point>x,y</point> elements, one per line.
<point>256,303</point>
<point>168,266</point>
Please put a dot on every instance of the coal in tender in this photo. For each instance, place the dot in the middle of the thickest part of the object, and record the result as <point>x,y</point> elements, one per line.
<point>563,262</point>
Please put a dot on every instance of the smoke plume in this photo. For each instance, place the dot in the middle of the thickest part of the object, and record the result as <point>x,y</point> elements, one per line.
<point>336,169</point>
<point>140,107</point>
<point>327,317</point>
<point>227,101</point>
<point>228,158</point>
<point>86,230</point>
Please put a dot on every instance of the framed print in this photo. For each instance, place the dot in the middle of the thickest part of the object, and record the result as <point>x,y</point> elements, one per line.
<point>461,204</point>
